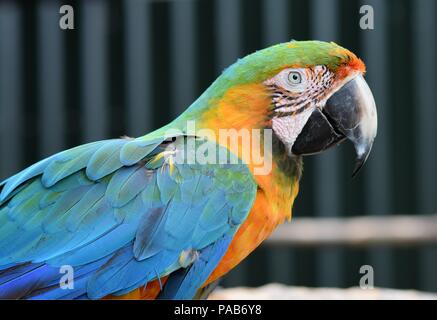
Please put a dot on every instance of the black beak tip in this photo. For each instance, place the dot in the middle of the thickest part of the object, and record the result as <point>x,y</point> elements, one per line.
<point>358,165</point>
<point>361,160</point>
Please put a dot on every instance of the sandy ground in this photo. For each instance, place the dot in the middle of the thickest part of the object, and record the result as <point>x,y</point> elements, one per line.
<point>281,292</point>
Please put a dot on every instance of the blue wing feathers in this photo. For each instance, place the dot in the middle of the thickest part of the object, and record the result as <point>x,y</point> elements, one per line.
<point>68,162</point>
<point>119,217</point>
<point>126,184</point>
<point>184,285</point>
<point>147,231</point>
<point>105,160</point>
<point>136,150</point>
<point>15,181</point>
<point>124,271</point>
<point>104,245</point>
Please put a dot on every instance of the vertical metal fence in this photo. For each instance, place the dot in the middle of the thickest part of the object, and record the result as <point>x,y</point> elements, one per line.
<point>131,66</point>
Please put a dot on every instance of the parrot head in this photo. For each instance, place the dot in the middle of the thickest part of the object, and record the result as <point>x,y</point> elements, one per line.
<point>312,94</point>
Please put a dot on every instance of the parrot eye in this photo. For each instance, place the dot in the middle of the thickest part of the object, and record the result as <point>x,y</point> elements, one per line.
<point>294,78</point>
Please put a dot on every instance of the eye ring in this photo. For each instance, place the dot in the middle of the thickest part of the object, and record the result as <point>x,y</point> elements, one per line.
<point>294,78</point>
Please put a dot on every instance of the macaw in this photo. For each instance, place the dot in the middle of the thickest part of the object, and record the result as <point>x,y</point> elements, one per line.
<point>127,220</point>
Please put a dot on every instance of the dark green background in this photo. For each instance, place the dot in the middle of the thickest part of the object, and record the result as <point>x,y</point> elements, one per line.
<point>131,66</point>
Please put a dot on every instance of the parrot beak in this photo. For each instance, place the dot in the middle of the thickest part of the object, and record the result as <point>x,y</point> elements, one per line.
<point>350,113</point>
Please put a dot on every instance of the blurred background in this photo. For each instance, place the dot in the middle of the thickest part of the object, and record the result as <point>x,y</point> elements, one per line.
<point>131,66</point>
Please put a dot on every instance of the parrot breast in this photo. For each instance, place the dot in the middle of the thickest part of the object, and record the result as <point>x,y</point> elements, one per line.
<point>242,107</point>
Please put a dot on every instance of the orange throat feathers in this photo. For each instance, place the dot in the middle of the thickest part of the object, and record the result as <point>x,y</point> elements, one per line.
<point>246,107</point>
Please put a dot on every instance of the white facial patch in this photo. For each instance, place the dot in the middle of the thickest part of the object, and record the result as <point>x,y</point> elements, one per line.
<point>296,93</point>
<point>288,128</point>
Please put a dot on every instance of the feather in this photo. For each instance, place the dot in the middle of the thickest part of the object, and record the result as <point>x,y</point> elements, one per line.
<point>148,230</point>
<point>136,150</point>
<point>69,162</point>
<point>184,285</point>
<point>105,160</point>
<point>124,271</point>
<point>13,182</point>
<point>126,184</point>
<point>109,242</point>
<point>87,207</point>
